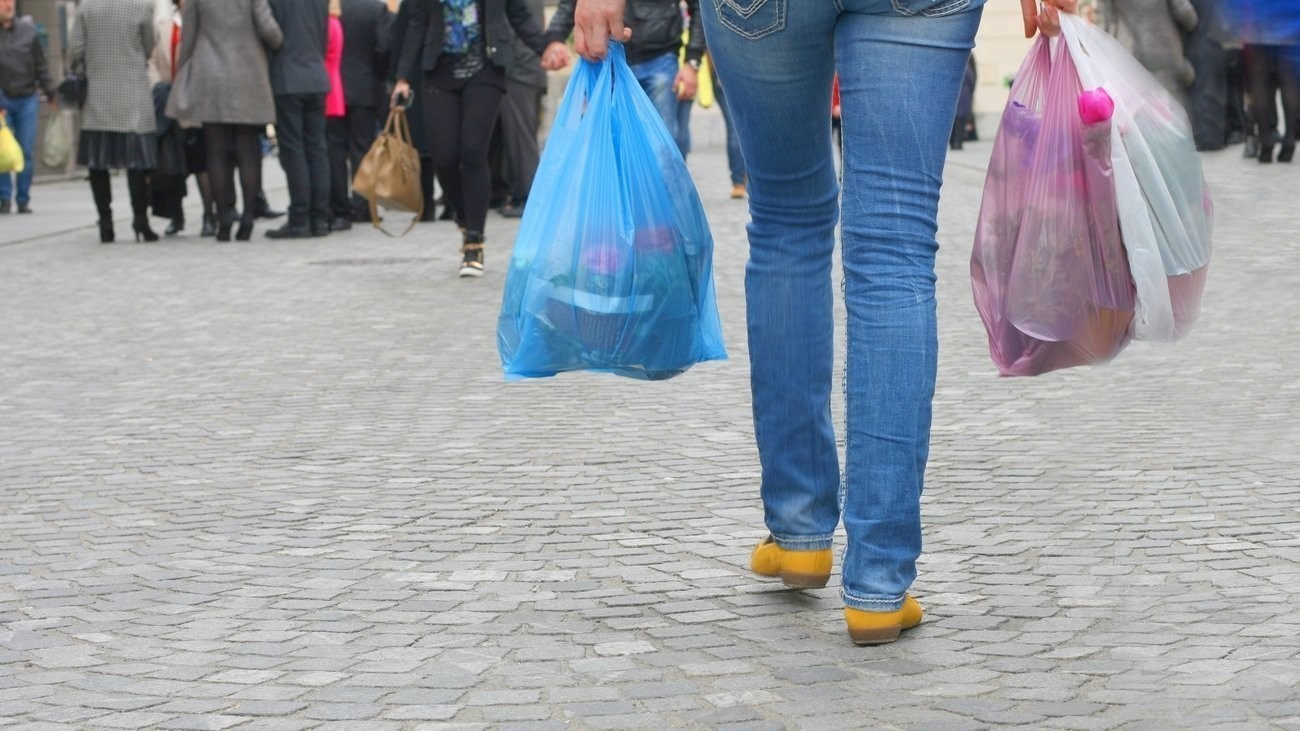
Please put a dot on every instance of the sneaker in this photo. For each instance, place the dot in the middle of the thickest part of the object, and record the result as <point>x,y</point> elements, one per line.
<point>797,569</point>
<point>24,208</point>
<point>471,264</point>
<point>737,191</point>
<point>878,628</point>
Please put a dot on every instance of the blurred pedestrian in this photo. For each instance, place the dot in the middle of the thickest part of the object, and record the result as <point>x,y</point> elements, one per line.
<point>900,66</point>
<point>521,117</point>
<point>23,73</point>
<point>735,158</point>
<point>339,217</point>
<point>965,106</point>
<point>366,36</point>
<point>1206,49</point>
<point>300,83</point>
<point>113,40</point>
<point>652,49</point>
<point>185,143</point>
<point>455,50</point>
<point>1157,28</point>
<point>222,83</point>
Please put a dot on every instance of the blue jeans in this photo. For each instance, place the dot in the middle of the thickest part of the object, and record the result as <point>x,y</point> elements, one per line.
<point>735,159</point>
<point>22,114</point>
<point>656,77</point>
<point>900,64</point>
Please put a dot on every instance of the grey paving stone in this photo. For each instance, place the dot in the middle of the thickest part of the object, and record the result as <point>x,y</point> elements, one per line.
<point>285,486</point>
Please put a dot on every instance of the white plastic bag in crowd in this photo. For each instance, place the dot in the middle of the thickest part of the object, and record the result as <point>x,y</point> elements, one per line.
<point>1164,203</point>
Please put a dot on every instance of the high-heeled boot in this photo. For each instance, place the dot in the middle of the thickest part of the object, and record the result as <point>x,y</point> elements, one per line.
<point>225,219</point>
<point>137,182</point>
<point>102,190</point>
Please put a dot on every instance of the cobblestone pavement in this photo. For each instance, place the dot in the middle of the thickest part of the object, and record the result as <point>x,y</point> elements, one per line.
<point>282,485</point>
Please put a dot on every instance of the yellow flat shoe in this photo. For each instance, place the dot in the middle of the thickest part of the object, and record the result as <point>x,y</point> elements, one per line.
<point>797,569</point>
<point>879,628</point>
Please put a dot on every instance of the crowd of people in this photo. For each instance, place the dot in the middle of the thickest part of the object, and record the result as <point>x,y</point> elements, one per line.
<point>193,96</point>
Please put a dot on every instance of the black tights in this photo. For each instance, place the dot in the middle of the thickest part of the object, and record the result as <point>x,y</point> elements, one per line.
<point>1267,71</point>
<point>137,183</point>
<point>459,124</point>
<point>230,146</point>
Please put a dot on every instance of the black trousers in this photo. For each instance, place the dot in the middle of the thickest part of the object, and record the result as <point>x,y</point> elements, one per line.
<point>459,118</point>
<point>350,138</point>
<point>520,117</point>
<point>300,129</point>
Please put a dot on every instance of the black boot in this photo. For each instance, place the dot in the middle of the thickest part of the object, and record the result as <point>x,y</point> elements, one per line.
<point>137,182</point>
<point>102,190</point>
<point>176,226</point>
<point>209,225</point>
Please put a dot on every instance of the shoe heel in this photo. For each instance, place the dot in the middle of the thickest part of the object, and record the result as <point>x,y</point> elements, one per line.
<point>874,636</point>
<point>804,581</point>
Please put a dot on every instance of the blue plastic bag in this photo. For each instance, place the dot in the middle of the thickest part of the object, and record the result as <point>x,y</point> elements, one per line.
<point>613,266</point>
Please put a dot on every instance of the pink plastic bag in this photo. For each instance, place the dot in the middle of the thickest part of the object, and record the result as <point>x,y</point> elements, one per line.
<point>1049,270</point>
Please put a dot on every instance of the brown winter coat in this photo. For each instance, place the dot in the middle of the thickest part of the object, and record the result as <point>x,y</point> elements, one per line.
<point>221,65</point>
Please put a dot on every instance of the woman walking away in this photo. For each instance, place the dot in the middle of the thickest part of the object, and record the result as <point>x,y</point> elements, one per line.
<point>222,82</point>
<point>900,65</point>
<point>112,41</point>
<point>458,51</point>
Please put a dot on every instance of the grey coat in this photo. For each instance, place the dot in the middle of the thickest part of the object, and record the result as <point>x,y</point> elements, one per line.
<point>221,66</point>
<point>112,41</point>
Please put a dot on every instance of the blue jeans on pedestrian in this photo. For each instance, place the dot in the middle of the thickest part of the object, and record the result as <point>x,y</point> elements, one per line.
<point>22,115</point>
<point>656,77</point>
<point>900,64</point>
<point>735,159</point>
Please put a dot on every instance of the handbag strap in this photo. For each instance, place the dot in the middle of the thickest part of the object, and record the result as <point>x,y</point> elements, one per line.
<point>374,220</point>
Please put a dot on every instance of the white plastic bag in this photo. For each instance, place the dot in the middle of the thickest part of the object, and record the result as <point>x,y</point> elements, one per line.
<point>56,148</point>
<point>1164,203</point>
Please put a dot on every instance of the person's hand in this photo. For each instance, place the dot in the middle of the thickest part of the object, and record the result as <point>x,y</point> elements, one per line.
<point>687,83</point>
<point>1045,17</point>
<point>401,93</point>
<point>556,56</point>
<point>595,22</point>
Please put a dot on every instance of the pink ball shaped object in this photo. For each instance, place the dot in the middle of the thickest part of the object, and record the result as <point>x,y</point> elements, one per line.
<point>1096,106</point>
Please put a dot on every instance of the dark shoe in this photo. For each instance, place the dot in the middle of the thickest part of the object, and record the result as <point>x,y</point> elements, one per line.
<point>340,224</point>
<point>245,231</point>
<point>4,206</point>
<point>430,213</point>
<point>176,226</point>
<point>320,227</point>
<point>106,232</point>
<point>1286,154</point>
<point>226,220</point>
<point>262,209</point>
<point>1252,147</point>
<point>289,231</point>
<point>471,264</point>
<point>209,226</point>
<point>1266,154</point>
<point>512,209</point>
<point>142,231</point>
<point>24,208</point>
<point>448,215</point>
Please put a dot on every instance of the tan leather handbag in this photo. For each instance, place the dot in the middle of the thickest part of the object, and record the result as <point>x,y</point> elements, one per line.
<point>389,174</point>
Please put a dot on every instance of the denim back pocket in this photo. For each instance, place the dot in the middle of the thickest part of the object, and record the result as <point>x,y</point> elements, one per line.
<point>752,19</point>
<point>930,8</point>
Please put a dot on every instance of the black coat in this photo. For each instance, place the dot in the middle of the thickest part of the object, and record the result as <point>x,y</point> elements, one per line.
<point>422,44</point>
<point>298,67</point>
<point>366,35</point>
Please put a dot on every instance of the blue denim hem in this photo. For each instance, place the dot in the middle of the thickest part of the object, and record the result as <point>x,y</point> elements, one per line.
<point>803,543</point>
<point>873,605</point>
